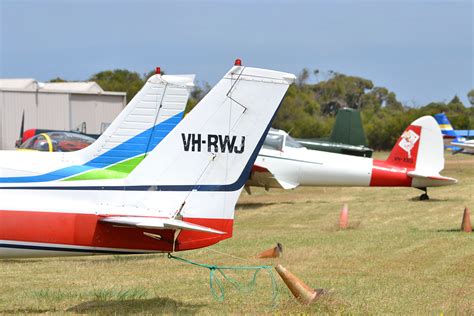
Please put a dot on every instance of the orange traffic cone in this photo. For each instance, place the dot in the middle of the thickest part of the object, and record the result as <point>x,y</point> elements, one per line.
<point>303,293</point>
<point>466,221</point>
<point>272,252</point>
<point>344,217</point>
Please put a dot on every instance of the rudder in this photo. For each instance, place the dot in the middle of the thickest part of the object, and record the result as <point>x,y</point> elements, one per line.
<point>420,148</point>
<point>348,128</point>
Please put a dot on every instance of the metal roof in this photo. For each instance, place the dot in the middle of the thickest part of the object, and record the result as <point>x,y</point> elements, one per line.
<point>18,84</point>
<point>82,87</point>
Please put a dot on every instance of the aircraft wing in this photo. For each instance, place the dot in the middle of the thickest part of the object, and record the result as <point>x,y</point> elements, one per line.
<point>157,223</point>
<point>464,145</point>
<point>465,133</point>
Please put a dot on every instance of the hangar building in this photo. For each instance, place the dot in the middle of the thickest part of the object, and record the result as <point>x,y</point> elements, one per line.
<point>56,105</point>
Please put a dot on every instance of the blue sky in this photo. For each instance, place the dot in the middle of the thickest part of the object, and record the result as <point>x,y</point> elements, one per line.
<point>421,50</point>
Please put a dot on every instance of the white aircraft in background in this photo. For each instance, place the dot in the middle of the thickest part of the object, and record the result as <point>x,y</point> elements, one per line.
<point>415,161</point>
<point>467,147</point>
<point>150,183</point>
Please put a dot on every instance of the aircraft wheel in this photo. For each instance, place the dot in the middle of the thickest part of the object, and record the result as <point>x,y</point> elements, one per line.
<point>424,197</point>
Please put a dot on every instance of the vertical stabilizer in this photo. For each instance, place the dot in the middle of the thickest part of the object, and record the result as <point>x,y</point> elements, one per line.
<point>416,159</point>
<point>348,128</point>
<point>449,133</point>
<point>203,164</point>
<point>445,126</point>
<point>154,111</point>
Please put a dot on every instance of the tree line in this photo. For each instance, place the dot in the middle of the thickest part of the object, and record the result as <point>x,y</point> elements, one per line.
<point>308,109</point>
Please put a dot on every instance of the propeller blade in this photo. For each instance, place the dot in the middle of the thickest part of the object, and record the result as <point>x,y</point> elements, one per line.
<point>22,128</point>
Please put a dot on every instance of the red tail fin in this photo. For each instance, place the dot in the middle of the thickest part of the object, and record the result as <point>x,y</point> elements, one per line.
<point>405,151</point>
<point>403,157</point>
<point>416,159</point>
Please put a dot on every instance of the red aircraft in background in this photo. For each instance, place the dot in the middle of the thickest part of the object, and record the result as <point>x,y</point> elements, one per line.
<point>53,140</point>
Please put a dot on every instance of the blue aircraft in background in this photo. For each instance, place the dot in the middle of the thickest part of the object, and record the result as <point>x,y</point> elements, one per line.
<point>455,140</point>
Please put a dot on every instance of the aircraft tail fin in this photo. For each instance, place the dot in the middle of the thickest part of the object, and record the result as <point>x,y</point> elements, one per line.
<point>154,111</point>
<point>449,133</point>
<point>221,134</point>
<point>205,161</point>
<point>420,151</point>
<point>348,128</point>
<point>445,126</point>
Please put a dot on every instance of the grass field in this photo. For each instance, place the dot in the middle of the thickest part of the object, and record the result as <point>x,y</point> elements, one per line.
<point>401,256</point>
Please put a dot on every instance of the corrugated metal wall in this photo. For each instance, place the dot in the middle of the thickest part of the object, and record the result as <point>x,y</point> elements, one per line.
<point>94,111</point>
<point>53,111</point>
<point>12,105</point>
<point>61,111</point>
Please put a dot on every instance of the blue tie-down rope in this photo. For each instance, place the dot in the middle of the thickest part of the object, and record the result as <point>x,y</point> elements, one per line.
<point>216,286</point>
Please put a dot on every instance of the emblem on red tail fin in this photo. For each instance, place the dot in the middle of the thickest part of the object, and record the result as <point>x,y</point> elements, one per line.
<point>408,141</point>
<point>405,152</point>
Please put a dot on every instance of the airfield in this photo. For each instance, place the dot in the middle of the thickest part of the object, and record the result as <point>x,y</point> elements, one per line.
<point>400,255</point>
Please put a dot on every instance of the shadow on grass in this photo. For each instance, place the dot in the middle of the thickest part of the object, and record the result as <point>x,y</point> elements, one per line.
<point>24,311</point>
<point>353,225</point>
<point>161,305</point>
<point>97,258</point>
<point>20,260</point>
<point>417,199</point>
<point>116,258</point>
<point>330,303</point>
<point>254,206</point>
<point>452,230</point>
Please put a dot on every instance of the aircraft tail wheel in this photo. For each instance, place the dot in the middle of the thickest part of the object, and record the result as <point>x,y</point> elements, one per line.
<point>424,197</point>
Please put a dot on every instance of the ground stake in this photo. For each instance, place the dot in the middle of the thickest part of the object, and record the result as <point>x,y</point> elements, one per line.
<point>275,252</point>
<point>344,217</point>
<point>466,221</point>
<point>303,293</point>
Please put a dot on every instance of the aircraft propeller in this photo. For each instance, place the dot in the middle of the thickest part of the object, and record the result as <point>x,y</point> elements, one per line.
<point>22,130</point>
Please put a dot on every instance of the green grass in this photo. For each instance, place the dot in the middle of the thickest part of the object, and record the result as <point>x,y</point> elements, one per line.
<point>401,256</point>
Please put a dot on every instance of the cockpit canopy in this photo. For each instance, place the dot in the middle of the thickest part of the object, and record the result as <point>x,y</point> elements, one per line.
<point>277,139</point>
<point>57,141</point>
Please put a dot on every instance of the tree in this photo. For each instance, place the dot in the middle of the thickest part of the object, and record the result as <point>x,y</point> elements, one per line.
<point>197,93</point>
<point>302,77</point>
<point>58,79</point>
<point>119,80</point>
<point>455,104</point>
<point>341,91</point>
<point>470,96</point>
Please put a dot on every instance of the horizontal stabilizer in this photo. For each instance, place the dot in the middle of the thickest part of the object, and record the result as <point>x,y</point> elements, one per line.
<point>430,177</point>
<point>262,176</point>
<point>157,223</point>
<point>286,184</point>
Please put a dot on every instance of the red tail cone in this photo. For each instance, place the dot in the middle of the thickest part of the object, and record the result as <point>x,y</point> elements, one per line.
<point>275,252</point>
<point>303,293</point>
<point>466,221</point>
<point>344,217</point>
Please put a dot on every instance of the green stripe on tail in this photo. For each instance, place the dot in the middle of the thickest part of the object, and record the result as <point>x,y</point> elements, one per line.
<point>118,171</point>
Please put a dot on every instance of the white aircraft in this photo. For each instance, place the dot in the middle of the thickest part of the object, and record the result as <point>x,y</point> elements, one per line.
<point>171,186</point>
<point>415,161</point>
<point>467,147</point>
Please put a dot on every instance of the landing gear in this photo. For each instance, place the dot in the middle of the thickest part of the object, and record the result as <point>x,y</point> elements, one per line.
<point>424,196</point>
